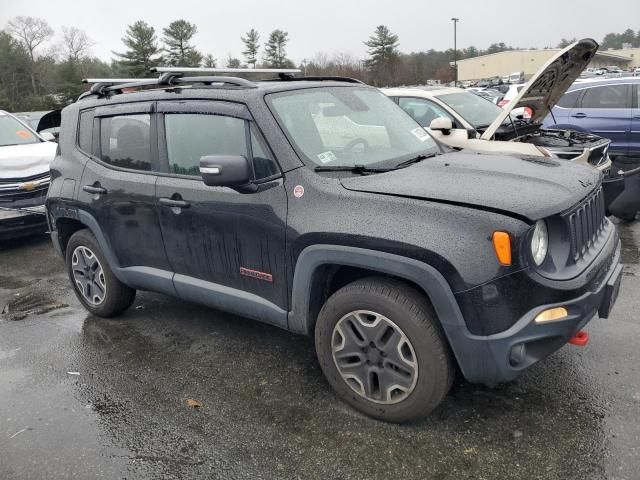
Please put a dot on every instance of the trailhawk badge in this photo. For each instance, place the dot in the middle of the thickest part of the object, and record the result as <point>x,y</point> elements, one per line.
<point>298,191</point>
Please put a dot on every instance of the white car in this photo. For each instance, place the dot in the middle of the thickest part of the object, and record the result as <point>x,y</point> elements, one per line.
<point>25,157</point>
<point>460,119</point>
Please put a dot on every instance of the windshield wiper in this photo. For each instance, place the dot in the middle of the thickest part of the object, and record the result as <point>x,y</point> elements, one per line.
<point>361,169</point>
<point>413,160</point>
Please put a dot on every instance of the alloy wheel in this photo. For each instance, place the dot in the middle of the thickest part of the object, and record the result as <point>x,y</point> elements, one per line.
<point>374,357</point>
<point>88,275</point>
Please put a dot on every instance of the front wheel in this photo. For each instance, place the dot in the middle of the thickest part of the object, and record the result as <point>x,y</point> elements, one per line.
<point>381,349</point>
<point>94,283</point>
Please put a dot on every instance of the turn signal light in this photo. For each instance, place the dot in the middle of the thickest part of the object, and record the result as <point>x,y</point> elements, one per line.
<point>552,315</point>
<point>502,246</point>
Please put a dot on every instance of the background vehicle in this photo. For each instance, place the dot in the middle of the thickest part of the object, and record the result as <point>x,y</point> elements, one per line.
<point>320,207</point>
<point>517,77</point>
<point>46,123</point>
<point>24,177</point>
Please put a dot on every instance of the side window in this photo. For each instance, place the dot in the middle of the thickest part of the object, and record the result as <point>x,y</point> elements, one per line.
<point>191,136</point>
<point>85,131</point>
<point>263,164</point>
<point>424,111</point>
<point>607,96</point>
<point>124,141</point>
<point>570,99</point>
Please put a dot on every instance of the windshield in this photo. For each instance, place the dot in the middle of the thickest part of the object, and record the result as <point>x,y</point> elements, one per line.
<point>349,126</point>
<point>480,113</point>
<point>12,132</point>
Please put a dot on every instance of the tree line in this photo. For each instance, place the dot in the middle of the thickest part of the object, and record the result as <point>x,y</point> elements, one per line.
<point>40,70</point>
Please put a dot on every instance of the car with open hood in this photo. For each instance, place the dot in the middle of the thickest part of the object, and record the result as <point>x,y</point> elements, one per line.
<point>461,120</point>
<point>317,205</point>
<point>25,157</point>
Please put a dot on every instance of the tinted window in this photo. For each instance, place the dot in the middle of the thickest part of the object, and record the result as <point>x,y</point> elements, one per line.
<point>474,109</point>
<point>423,111</point>
<point>263,164</point>
<point>191,136</point>
<point>85,131</point>
<point>607,96</point>
<point>569,99</point>
<point>124,141</point>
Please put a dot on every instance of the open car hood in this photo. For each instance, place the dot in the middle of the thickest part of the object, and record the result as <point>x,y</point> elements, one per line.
<point>549,83</point>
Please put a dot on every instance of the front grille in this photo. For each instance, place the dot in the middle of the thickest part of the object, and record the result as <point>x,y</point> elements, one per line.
<point>598,155</point>
<point>586,223</point>
<point>16,189</point>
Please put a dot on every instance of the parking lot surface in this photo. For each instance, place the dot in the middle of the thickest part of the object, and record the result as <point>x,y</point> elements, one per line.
<point>175,390</point>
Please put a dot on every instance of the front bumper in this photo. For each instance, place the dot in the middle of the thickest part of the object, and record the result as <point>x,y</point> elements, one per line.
<point>20,223</point>
<point>502,356</point>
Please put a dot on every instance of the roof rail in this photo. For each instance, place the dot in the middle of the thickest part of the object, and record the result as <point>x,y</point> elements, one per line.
<point>322,78</point>
<point>224,70</point>
<point>106,86</point>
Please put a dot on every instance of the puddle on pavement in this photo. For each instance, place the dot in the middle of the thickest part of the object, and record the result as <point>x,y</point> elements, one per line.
<point>630,251</point>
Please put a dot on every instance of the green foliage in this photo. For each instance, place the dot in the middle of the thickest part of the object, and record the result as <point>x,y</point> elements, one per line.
<point>615,40</point>
<point>233,62</point>
<point>209,61</point>
<point>142,52</point>
<point>251,47</point>
<point>275,55</point>
<point>177,37</point>
<point>383,56</point>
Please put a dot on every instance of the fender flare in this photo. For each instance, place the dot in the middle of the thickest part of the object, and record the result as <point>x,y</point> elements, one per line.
<point>466,347</point>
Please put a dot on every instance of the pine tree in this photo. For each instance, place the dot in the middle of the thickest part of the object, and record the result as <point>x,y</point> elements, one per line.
<point>251,47</point>
<point>209,61</point>
<point>143,52</point>
<point>275,55</point>
<point>180,52</point>
<point>383,46</point>
<point>233,62</point>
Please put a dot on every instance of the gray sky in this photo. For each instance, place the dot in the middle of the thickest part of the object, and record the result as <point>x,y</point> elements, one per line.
<point>340,25</point>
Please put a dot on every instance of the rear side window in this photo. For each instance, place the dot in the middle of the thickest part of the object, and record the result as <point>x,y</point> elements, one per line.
<point>85,131</point>
<point>124,141</point>
<point>192,136</point>
<point>569,99</point>
<point>607,96</point>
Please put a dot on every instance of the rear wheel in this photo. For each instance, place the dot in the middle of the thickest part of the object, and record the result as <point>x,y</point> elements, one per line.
<point>93,282</point>
<point>381,349</point>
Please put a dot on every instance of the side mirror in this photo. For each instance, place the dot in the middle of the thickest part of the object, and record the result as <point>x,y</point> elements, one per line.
<point>225,170</point>
<point>442,124</point>
<point>48,136</point>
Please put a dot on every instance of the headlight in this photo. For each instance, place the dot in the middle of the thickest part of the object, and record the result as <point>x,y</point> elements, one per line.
<point>539,242</point>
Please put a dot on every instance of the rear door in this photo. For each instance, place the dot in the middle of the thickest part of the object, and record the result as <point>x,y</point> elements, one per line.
<point>425,111</point>
<point>634,139</point>
<point>118,185</point>
<point>606,111</point>
<point>216,236</point>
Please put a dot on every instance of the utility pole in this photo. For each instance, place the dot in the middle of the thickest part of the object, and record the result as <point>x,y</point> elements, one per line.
<point>455,49</point>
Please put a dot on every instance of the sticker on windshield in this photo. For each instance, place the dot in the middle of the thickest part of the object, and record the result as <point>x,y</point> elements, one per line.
<point>23,134</point>
<point>420,133</point>
<point>327,157</point>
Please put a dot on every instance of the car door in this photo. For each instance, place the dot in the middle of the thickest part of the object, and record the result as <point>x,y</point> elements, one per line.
<point>634,140</point>
<point>425,111</point>
<point>118,189</point>
<point>606,111</point>
<point>218,238</point>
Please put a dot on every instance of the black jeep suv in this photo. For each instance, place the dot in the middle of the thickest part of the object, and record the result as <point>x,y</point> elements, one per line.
<point>321,207</point>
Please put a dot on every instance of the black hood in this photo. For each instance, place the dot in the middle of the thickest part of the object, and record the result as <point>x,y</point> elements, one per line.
<point>529,187</point>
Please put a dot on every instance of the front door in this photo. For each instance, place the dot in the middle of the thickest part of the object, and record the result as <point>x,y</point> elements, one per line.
<point>220,241</point>
<point>634,143</point>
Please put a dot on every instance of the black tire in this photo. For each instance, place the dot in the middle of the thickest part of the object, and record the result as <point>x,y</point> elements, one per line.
<point>412,313</point>
<point>116,297</point>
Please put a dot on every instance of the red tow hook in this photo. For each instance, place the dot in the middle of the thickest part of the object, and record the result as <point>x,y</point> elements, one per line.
<point>580,339</point>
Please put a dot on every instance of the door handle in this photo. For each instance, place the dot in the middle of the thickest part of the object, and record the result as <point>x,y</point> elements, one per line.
<point>170,202</point>
<point>95,190</point>
<point>579,115</point>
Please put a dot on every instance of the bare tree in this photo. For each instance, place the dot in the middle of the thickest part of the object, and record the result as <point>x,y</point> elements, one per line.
<point>76,43</point>
<point>31,32</point>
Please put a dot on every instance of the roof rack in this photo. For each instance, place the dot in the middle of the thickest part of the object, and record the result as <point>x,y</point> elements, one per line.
<point>225,70</point>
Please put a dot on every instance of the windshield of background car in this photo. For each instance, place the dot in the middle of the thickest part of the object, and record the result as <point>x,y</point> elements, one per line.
<point>12,132</point>
<point>480,113</point>
<point>348,126</point>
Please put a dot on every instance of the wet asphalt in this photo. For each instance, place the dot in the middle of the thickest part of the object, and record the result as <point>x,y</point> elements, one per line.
<point>83,397</point>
